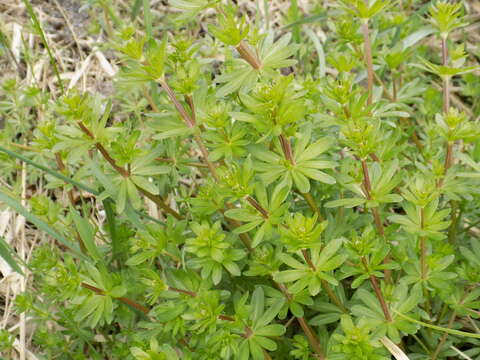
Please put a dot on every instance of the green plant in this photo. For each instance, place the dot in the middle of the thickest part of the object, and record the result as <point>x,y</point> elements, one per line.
<point>329,213</point>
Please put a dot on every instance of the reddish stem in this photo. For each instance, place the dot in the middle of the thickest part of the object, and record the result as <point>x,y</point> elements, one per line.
<point>308,260</point>
<point>257,206</point>
<point>160,201</point>
<point>157,199</point>
<point>181,291</point>
<point>190,122</point>
<point>287,148</point>
<point>378,292</point>
<point>247,54</point>
<point>125,300</point>
<point>173,98</point>
<point>449,156</point>
<point>312,339</point>
<point>103,151</point>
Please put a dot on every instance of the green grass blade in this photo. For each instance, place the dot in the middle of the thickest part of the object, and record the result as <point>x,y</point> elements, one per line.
<point>6,253</point>
<point>147,18</point>
<point>112,228</point>
<point>39,29</point>
<point>321,54</point>
<point>5,43</point>
<point>305,20</point>
<point>69,180</point>
<point>50,171</point>
<point>296,17</point>
<point>39,223</point>
<point>439,328</point>
<point>135,9</point>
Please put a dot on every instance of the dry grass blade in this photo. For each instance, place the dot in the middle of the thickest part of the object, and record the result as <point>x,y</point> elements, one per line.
<point>394,349</point>
<point>462,354</point>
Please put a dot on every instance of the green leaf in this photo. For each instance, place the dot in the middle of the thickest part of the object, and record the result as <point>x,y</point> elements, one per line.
<point>315,149</point>
<point>289,275</point>
<point>271,330</point>
<point>416,36</point>
<point>266,343</point>
<point>147,18</point>
<point>242,215</point>
<point>324,319</point>
<point>317,175</point>
<point>329,250</point>
<point>257,304</point>
<point>6,253</point>
<point>301,182</point>
<point>333,262</point>
<point>348,203</point>
<point>370,300</point>
<point>270,314</point>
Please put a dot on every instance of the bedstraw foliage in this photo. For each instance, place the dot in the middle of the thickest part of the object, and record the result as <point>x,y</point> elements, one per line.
<point>246,195</point>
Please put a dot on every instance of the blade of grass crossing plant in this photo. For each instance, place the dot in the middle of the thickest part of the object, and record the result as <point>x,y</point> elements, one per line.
<point>6,45</point>
<point>68,179</point>
<point>133,217</point>
<point>320,52</point>
<point>439,328</point>
<point>6,254</point>
<point>146,216</point>
<point>267,14</point>
<point>295,16</point>
<point>87,234</point>
<point>107,184</point>
<point>147,18</point>
<point>39,29</point>
<point>305,20</point>
<point>39,223</point>
<point>108,206</point>
<point>50,171</point>
<point>135,9</point>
